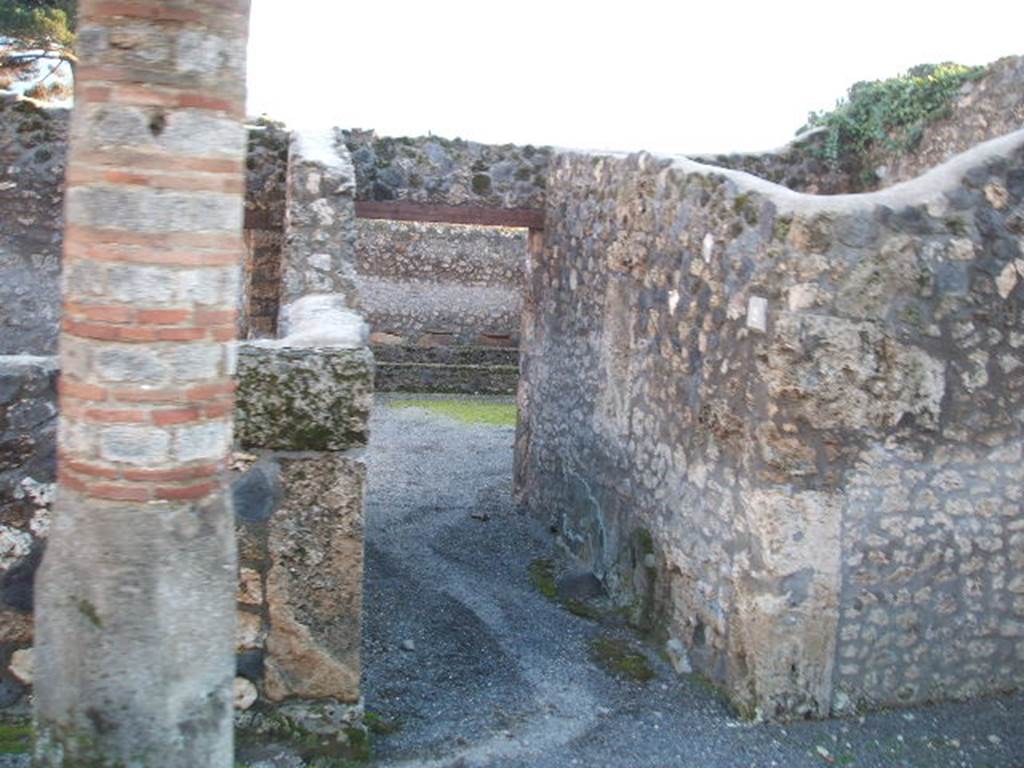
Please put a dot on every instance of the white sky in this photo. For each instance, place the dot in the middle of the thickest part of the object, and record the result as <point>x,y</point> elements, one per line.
<point>671,77</point>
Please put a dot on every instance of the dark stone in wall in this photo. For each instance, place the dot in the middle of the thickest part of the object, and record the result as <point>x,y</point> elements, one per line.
<point>257,493</point>
<point>249,664</point>
<point>799,166</point>
<point>28,435</point>
<point>11,691</point>
<point>16,586</point>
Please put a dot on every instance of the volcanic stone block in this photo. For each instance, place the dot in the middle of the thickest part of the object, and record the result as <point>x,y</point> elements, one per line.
<point>303,398</point>
<point>28,427</point>
<point>315,580</point>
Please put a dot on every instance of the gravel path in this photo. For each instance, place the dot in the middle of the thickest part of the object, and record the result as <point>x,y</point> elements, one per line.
<point>469,665</point>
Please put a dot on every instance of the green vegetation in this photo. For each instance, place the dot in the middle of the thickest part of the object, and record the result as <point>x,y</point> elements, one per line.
<point>468,411</point>
<point>379,725</point>
<point>88,610</point>
<point>956,226</point>
<point>15,738</point>
<point>542,576</point>
<point>617,657</point>
<point>780,230</point>
<point>743,206</point>
<point>481,184</point>
<point>39,31</point>
<point>345,748</point>
<point>582,609</point>
<point>889,113</point>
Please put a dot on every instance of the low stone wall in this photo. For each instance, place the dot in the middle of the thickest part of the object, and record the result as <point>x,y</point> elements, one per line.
<point>785,430</point>
<point>33,150</point>
<point>302,417</point>
<point>799,165</point>
<point>430,169</point>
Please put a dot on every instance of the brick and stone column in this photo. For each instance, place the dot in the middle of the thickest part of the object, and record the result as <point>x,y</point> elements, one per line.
<point>135,595</point>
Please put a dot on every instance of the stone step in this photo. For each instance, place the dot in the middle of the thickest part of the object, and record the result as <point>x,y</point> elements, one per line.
<point>455,379</point>
<point>446,355</point>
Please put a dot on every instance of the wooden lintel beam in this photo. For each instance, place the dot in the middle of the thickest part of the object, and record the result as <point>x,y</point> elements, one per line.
<point>403,210</point>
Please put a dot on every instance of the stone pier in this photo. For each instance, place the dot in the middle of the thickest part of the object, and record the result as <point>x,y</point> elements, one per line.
<point>135,596</point>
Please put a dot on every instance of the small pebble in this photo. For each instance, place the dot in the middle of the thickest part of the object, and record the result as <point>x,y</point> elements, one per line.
<point>408,645</point>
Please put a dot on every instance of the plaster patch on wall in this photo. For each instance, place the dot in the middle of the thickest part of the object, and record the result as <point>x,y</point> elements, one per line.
<point>757,314</point>
<point>707,246</point>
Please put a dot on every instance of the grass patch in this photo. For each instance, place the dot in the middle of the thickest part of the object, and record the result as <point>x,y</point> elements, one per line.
<point>15,738</point>
<point>379,725</point>
<point>617,657</point>
<point>542,576</point>
<point>467,411</point>
<point>582,609</point>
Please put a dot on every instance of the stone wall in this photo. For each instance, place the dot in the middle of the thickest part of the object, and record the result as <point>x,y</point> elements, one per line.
<point>419,284</point>
<point>423,169</point>
<point>799,165</point>
<point>786,430</point>
<point>28,447</point>
<point>430,284</point>
<point>425,285</point>
<point>33,148</point>
<point>265,180</point>
<point>430,169</point>
<point>984,109</point>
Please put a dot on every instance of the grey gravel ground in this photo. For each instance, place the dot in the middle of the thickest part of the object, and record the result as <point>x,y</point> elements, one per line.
<point>500,676</point>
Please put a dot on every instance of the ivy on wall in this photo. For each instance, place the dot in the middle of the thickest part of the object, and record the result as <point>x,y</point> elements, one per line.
<point>889,114</point>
